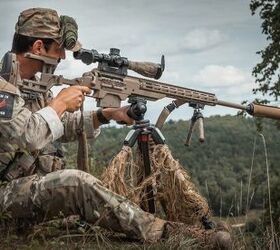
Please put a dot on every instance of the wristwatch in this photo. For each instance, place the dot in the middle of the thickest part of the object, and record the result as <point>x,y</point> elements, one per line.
<point>101,118</point>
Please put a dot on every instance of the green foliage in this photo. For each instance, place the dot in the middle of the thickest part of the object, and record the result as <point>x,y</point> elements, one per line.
<point>220,167</point>
<point>267,71</point>
<point>268,77</point>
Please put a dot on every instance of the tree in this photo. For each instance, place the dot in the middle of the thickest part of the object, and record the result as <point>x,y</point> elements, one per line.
<point>267,71</point>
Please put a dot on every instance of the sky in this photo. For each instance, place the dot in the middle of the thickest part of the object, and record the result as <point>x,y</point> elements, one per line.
<point>209,45</point>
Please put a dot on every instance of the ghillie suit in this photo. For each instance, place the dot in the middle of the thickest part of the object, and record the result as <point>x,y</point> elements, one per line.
<point>176,198</point>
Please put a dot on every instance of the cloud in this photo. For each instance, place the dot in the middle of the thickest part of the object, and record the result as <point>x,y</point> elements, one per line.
<point>225,81</point>
<point>192,41</point>
<point>220,76</point>
<point>202,39</point>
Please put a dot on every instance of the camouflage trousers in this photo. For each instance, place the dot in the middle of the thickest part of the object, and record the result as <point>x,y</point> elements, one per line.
<point>74,192</point>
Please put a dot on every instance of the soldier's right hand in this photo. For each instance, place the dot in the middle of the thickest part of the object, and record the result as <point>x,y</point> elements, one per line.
<point>69,99</point>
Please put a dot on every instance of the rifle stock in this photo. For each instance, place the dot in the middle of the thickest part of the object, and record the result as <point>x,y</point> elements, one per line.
<point>108,88</point>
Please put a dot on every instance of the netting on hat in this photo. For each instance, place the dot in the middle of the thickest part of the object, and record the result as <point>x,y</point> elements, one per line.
<point>69,32</point>
<point>176,197</point>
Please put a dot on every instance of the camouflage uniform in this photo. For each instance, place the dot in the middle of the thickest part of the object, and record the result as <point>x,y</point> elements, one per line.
<point>29,130</point>
<point>68,191</point>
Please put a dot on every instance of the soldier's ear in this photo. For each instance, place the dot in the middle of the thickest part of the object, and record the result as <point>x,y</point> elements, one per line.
<point>38,47</point>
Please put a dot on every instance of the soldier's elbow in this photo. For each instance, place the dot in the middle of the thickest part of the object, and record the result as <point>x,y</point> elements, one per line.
<point>34,143</point>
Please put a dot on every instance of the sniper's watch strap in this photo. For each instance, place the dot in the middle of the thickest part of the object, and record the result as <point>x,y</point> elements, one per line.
<point>101,118</point>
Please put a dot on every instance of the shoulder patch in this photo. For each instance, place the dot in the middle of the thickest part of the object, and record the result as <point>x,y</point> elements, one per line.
<point>6,105</point>
<point>8,87</point>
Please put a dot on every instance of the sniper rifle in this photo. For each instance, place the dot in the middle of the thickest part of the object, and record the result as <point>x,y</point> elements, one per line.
<point>111,84</point>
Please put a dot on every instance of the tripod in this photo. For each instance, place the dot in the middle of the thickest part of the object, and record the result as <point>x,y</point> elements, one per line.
<point>141,132</point>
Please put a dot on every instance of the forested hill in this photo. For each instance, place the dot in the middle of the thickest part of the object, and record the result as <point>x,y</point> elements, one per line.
<point>220,166</point>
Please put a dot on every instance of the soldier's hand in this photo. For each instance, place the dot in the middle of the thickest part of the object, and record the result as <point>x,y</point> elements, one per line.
<point>120,115</point>
<point>69,99</point>
<point>116,114</point>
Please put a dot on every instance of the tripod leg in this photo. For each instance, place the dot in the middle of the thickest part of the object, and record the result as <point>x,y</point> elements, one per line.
<point>143,142</point>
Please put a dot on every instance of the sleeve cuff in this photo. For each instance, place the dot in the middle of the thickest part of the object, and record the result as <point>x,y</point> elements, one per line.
<point>53,121</point>
<point>88,125</point>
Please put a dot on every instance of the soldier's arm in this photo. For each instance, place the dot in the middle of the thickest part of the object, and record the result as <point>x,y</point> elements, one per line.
<point>29,130</point>
<point>71,122</point>
<point>35,130</point>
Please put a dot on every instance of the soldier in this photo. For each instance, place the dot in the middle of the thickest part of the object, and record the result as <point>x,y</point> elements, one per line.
<point>37,185</point>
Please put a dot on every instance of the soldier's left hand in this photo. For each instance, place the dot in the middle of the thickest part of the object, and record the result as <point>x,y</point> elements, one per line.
<point>116,114</point>
<point>120,115</point>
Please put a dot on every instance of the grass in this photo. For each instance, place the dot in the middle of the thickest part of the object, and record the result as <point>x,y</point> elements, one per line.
<point>53,235</point>
<point>47,237</point>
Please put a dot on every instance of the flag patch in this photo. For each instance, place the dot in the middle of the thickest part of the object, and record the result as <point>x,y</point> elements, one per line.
<point>6,105</point>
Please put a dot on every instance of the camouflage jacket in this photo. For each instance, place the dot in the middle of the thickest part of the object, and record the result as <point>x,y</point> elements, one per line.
<point>31,133</point>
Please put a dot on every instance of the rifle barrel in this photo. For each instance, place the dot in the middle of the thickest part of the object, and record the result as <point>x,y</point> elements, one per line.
<point>254,109</point>
<point>231,105</point>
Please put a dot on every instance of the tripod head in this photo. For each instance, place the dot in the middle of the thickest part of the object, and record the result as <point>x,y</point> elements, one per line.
<point>137,108</point>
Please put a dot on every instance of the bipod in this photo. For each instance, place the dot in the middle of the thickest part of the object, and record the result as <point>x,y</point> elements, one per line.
<point>197,118</point>
<point>143,132</point>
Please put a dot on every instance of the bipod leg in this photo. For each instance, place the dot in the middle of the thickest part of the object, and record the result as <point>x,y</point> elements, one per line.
<point>191,129</point>
<point>196,118</point>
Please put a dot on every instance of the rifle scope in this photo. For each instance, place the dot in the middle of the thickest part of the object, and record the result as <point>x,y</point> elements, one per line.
<point>114,63</point>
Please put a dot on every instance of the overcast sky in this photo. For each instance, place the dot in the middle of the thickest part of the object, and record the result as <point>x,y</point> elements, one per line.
<point>209,45</point>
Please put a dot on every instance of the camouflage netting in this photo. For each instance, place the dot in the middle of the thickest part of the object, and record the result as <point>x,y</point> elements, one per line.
<point>176,198</point>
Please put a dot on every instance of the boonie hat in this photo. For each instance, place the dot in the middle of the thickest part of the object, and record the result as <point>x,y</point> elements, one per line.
<point>45,23</point>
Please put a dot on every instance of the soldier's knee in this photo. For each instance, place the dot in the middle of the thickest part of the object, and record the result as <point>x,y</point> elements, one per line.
<point>78,177</point>
<point>62,187</point>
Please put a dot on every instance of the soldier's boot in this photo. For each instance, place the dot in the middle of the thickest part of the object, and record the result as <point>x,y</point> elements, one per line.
<point>217,238</point>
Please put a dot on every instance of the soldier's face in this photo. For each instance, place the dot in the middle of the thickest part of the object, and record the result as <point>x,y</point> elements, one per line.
<point>55,51</point>
<point>38,48</point>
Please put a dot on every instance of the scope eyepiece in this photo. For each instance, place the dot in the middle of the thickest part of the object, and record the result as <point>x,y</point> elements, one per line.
<point>86,56</point>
